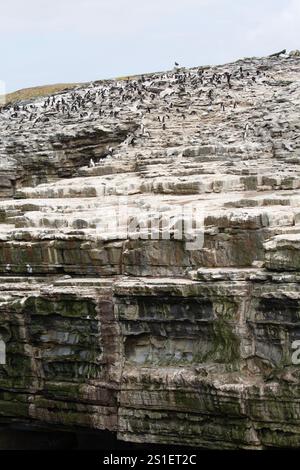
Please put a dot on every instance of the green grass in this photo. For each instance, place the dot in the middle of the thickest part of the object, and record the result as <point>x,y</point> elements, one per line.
<point>35,92</point>
<point>46,90</point>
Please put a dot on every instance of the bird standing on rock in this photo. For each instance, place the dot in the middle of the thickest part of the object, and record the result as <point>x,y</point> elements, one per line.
<point>277,54</point>
<point>8,268</point>
<point>28,269</point>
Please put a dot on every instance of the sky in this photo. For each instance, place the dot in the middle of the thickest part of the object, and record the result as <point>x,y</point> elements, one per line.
<point>63,41</point>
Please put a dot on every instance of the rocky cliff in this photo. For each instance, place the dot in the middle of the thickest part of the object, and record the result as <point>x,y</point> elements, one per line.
<point>150,257</point>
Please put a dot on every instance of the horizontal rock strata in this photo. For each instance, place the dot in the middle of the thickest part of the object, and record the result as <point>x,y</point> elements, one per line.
<point>150,257</point>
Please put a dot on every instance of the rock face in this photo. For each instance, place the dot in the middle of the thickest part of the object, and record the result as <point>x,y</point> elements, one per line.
<point>150,257</point>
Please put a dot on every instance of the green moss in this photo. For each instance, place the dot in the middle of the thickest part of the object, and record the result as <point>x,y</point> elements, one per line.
<point>186,400</point>
<point>65,306</point>
<point>226,343</point>
<point>226,309</point>
<point>68,390</point>
<point>14,408</point>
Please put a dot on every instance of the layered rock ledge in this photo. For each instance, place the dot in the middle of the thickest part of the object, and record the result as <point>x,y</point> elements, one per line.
<point>150,257</point>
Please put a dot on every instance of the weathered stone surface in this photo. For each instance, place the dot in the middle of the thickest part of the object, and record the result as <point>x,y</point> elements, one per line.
<point>150,257</point>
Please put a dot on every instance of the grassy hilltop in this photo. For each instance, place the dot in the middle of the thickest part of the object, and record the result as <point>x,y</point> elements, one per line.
<point>34,92</point>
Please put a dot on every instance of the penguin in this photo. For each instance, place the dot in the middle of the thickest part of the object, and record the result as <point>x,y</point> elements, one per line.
<point>228,77</point>
<point>28,269</point>
<point>245,134</point>
<point>8,268</point>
